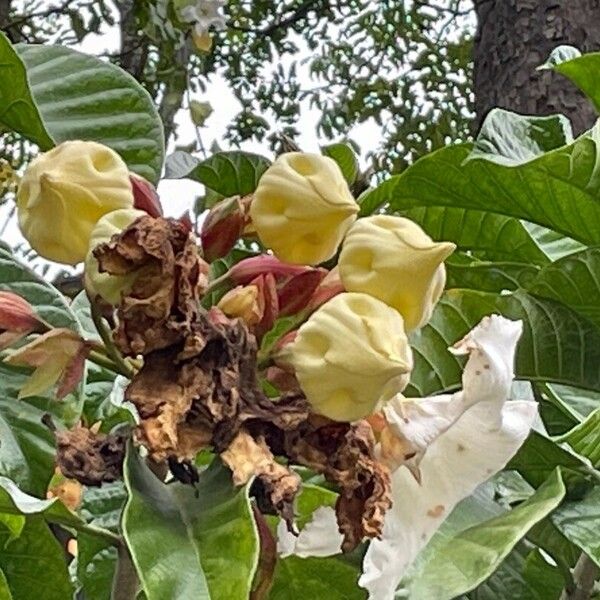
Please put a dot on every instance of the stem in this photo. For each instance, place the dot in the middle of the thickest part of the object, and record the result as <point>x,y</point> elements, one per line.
<point>111,350</point>
<point>107,363</point>
<point>585,573</point>
<point>125,583</point>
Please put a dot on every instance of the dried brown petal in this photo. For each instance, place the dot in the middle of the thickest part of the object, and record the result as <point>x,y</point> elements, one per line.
<point>247,457</point>
<point>344,453</point>
<point>90,458</point>
<point>163,303</point>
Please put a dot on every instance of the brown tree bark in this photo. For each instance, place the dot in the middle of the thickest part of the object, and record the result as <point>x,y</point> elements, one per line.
<point>516,36</point>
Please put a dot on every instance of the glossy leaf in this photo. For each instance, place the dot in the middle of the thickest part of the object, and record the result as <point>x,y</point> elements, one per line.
<point>345,157</point>
<point>330,578</point>
<point>488,276</point>
<point>203,533</point>
<point>463,560</point>
<point>558,190</point>
<point>585,438</point>
<point>498,237</point>
<point>34,563</point>
<point>227,173</point>
<point>19,111</point>
<point>573,280</point>
<point>557,344</point>
<point>539,456</point>
<point>579,521</point>
<point>507,138</point>
<point>64,95</point>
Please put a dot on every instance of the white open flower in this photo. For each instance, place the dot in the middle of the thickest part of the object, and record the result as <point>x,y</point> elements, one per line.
<point>204,14</point>
<point>450,444</point>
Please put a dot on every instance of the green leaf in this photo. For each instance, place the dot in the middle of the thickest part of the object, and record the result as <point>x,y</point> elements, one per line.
<point>19,111</point>
<point>326,578</point>
<point>345,157</point>
<point>585,438</point>
<point>580,69</point>
<point>510,139</point>
<point>553,244</point>
<point>523,575</point>
<point>96,562</point>
<point>498,237</point>
<point>66,95</point>
<point>464,272</point>
<point>4,589</point>
<point>227,173</point>
<point>202,534</point>
<point>581,401</point>
<point>34,564</point>
<point>27,448</point>
<point>48,302</point>
<point>573,280</point>
<point>97,557</point>
<point>579,521</point>
<point>465,559</point>
<point>557,344</point>
<point>539,456</point>
<point>558,190</point>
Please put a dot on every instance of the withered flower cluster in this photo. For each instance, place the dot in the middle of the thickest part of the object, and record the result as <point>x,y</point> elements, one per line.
<point>199,389</point>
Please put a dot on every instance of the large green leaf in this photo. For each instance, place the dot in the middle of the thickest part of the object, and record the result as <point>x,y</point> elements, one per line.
<point>558,190</point>
<point>574,281</point>
<point>499,237</point>
<point>459,562</point>
<point>557,345</point>
<point>486,276</point>
<point>510,139</point>
<point>34,564</point>
<point>227,173</point>
<point>19,111</point>
<point>539,456</point>
<point>579,521</point>
<point>580,69</point>
<point>61,94</point>
<point>207,536</point>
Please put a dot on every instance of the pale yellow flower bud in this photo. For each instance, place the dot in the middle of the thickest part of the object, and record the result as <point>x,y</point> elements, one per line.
<point>64,192</point>
<point>302,208</point>
<point>242,302</point>
<point>350,355</point>
<point>393,259</point>
<point>109,287</point>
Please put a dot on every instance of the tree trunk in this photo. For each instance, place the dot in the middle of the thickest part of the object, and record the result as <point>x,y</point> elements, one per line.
<point>516,36</point>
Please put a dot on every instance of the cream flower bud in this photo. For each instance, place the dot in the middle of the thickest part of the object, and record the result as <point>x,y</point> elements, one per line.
<point>243,302</point>
<point>302,208</point>
<point>64,192</point>
<point>109,287</point>
<point>393,259</point>
<point>351,354</point>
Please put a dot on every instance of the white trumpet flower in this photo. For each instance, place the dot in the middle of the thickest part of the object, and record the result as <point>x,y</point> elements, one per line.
<point>449,444</point>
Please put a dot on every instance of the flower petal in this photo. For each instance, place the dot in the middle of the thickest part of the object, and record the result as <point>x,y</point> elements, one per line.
<point>320,537</point>
<point>457,462</point>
